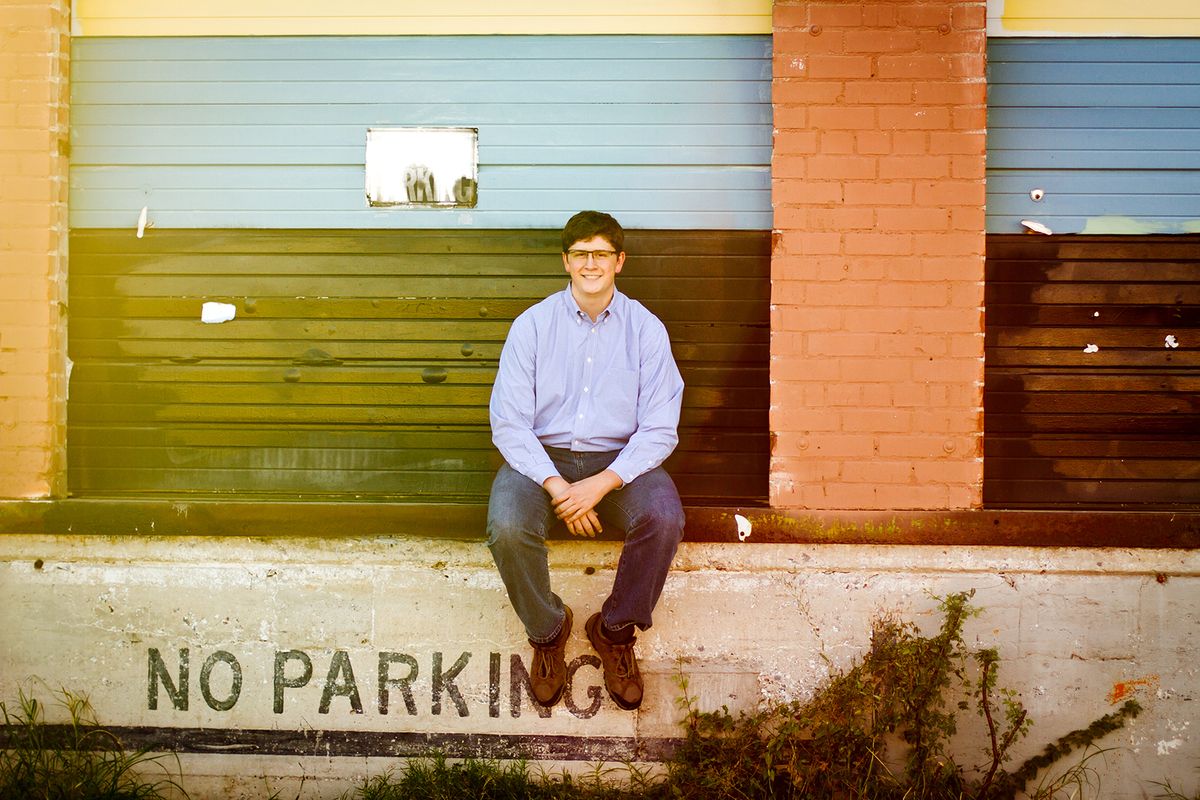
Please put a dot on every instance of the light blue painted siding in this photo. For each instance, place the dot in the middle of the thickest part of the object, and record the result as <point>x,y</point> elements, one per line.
<point>1108,128</point>
<point>663,131</point>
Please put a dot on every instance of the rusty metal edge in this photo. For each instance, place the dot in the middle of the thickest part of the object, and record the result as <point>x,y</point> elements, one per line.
<point>262,518</point>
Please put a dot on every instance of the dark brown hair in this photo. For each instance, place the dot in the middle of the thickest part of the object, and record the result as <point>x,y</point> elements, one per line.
<point>587,224</point>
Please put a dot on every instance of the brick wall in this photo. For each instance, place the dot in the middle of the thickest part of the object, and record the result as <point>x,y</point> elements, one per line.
<point>33,228</point>
<point>877,276</point>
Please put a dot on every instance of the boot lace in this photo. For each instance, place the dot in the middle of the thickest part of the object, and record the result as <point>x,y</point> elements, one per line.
<point>626,663</point>
<point>543,663</point>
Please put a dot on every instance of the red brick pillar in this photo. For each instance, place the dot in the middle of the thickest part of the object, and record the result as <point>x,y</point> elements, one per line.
<point>877,273</point>
<point>34,56</point>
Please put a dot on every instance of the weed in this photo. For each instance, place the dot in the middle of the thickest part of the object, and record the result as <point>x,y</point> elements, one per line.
<point>878,731</point>
<point>843,742</point>
<point>1169,792</point>
<point>75,761</point>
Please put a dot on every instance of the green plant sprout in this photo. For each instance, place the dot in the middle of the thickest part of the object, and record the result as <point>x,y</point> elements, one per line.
<point>76,761</point>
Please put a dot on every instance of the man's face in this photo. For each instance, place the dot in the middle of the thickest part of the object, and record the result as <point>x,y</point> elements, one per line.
<point>593,265</point>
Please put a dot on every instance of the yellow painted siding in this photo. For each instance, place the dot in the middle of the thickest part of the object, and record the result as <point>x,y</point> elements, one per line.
<point>1093,18</point>
<point>416,17</point>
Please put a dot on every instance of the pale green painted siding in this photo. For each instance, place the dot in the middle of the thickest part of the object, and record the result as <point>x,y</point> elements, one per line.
<point>664,132</point>
<point>1108,129</point>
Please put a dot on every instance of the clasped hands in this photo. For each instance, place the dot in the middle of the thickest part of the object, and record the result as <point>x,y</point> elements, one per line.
<point>575,503</point>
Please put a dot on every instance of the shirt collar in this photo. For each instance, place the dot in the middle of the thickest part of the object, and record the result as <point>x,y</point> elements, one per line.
<point>616,306</point>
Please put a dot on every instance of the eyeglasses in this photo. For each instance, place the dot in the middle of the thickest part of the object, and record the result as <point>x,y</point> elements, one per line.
<point>602,258</point>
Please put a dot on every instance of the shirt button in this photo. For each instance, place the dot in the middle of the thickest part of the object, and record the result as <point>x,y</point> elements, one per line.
<point>581,416</point>
<point>593,330</point>
<point>585,388</point>
<point>589,360</point>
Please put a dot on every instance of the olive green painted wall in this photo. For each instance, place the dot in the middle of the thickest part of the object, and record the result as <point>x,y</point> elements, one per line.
<point>359,364</point>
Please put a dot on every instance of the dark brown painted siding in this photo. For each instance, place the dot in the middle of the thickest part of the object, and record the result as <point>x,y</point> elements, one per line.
<point>1114,428</point>
<point>360,362</point>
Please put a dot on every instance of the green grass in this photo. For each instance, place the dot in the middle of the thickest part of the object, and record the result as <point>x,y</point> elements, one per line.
<point>436,778</point>
<point>76,761</point>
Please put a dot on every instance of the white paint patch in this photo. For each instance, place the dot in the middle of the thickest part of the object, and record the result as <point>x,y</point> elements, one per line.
<point>1139,225</point>
<point>1171,341</point>
<point>1092,348</point>
<point>141,226</point>
<point>215,313</point>
<point>1165,747</point>
<point>743,527</point>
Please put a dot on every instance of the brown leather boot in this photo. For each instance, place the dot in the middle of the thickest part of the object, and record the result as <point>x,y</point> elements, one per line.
<point>621,675</point>
<point>548,672</point>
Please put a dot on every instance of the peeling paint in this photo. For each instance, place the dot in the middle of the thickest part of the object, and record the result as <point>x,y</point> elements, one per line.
<point>1138,225</point>
<point>1123,689</point>
<point>1164,748</point>
<point>216,313</point>
<point>743,527</point>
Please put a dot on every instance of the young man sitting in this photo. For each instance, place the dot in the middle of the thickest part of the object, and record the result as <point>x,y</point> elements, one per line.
<point>584,410</point>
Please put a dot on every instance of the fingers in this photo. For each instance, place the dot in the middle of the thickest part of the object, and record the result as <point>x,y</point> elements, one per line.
<point>578,529</point>
<point>568,507</point>
<point>587,525</point>
<point>572,504</point>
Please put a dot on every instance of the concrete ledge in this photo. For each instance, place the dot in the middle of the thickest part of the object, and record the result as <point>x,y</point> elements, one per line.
<point>312,661</point>
<point>208,517</point>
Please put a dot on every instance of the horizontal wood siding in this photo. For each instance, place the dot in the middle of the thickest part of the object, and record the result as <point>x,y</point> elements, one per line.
<point>360,363</point>
<point>663,132</point>
<point>1115,428</point>
<point>1109,129</point>
<point>1093,18</point>
<point>387,17</point>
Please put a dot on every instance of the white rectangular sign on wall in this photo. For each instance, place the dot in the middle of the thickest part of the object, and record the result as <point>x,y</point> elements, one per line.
<point>422,167</point>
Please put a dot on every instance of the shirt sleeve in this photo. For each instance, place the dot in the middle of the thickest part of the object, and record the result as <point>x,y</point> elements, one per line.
<point>513,403</point>
<point>660,396</point>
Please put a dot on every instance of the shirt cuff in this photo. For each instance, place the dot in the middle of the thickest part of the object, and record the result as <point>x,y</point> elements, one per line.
<point>624,471</point>
<point>540,473</point>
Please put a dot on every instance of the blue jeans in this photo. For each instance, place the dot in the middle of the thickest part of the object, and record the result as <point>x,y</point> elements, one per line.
<point>520,516</point>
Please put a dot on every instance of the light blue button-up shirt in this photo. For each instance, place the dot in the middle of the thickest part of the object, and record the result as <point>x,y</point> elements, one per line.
<point>568,382</point>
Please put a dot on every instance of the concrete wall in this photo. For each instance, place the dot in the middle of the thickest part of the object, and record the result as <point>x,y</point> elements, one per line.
<point>1079,632</point>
